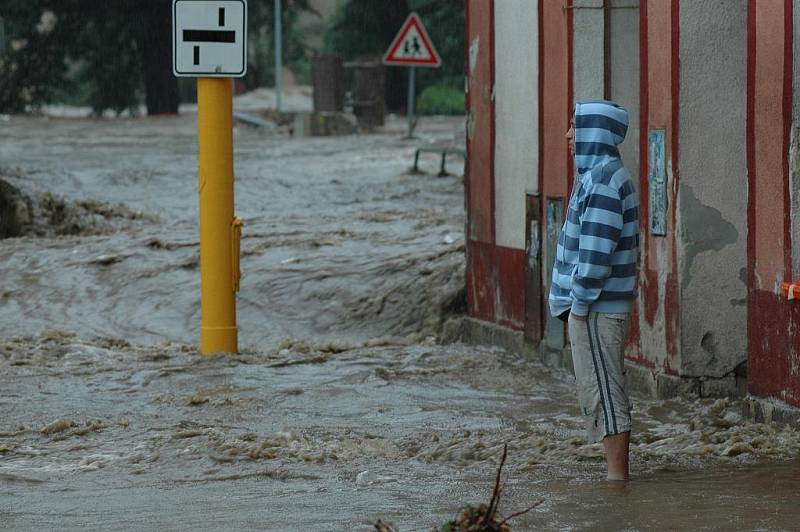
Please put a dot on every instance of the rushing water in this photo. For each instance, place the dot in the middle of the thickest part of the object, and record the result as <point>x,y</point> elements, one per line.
<point>341,407</point>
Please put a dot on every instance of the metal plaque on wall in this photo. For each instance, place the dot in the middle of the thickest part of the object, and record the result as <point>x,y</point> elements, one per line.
<point>657,180</point>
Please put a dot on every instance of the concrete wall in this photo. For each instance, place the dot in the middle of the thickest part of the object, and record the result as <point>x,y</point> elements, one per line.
<point>516,97</point>
<point>712,198</point>
<point>588,23</point>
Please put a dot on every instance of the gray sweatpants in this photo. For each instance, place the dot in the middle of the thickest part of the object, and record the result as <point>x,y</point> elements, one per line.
<point>598,354</point>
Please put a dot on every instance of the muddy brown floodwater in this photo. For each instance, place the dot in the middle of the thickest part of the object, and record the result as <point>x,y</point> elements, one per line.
<point>342,407</point>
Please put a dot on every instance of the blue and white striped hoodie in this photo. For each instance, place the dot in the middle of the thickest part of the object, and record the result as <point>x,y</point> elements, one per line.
<point>595,265</point>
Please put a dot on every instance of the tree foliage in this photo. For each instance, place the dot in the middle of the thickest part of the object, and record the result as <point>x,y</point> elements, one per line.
<point>118,51</point>
<point>445,22</point>
<point>367,27</point>
<point>261,51</point>
<point>32,64</point>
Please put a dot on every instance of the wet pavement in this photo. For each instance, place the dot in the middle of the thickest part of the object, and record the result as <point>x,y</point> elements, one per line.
<point>341,408</point>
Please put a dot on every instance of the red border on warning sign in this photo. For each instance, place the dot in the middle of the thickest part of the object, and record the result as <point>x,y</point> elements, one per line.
<point>412,21</point>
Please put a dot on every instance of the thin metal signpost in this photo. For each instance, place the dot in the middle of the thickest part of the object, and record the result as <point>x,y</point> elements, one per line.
<point>411,100</point>
<point>278,55</point>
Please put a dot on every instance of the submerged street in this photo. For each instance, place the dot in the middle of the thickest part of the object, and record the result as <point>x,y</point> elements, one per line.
<point>346,404</point>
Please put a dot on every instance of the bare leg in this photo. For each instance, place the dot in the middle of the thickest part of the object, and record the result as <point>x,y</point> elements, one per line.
<point>616,447</point>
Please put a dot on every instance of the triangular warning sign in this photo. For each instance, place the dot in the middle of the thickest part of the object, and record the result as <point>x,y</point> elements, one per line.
<point>412,46</point>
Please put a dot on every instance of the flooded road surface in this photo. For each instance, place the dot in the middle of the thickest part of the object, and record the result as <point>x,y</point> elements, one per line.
<point>105,435</point>
<point>341,407</point>
<point>340,242</point>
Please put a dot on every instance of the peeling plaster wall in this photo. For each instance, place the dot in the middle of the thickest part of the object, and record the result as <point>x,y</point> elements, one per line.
<point>712,196</point>
<point>587,31</point>
<point>516,115</point>
<point>657,332</point>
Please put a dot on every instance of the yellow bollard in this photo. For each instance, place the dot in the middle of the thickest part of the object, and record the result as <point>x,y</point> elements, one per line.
<point>219,230</point>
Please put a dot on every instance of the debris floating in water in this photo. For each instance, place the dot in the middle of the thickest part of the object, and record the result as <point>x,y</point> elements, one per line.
<point>472,518</point>
<point>59,425</point>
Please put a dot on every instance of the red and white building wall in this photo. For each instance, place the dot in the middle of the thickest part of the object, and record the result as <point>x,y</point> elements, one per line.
<point>502,162</point>
<point>772,158</point>
<point>709,87</point>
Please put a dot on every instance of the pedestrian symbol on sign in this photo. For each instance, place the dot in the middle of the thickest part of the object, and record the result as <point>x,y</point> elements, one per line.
<point>412,49</point>
<point>412,46</point>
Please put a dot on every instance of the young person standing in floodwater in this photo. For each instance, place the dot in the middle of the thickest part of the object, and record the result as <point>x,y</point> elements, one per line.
<point>594,275</point>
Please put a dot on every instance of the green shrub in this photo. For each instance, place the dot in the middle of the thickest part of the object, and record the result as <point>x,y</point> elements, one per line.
<point>441,99</point>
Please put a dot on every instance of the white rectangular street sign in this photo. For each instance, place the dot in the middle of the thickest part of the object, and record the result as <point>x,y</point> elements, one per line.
<point>209,38</point>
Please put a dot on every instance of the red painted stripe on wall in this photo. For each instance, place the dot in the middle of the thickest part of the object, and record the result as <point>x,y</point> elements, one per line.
<point>634,351</point>
<point>468,107</point>
<point>540,75</point>
<point>768,141</point>
<point>492,120</point>
<point>772,321</point>
<point>751,158</point>
<point>480,132</point>
<point>570,107</point>
<point>479,175</point>
<point>752,346</point>
<point>676,89</point>
<point>481,281</point>
<point>555,99</point>
<point>659,108</point>
<point>672,300</point>
<point>788,59</point>
<point>510,265</point>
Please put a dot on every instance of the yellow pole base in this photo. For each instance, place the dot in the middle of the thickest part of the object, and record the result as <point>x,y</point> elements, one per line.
<point>218,340</point>
<point>217,223</point>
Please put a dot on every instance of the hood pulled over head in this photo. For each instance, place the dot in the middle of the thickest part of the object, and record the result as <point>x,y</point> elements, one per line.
<point>599,127</point>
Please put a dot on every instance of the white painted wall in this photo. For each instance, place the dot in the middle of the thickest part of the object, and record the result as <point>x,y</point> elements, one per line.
<point>624,71</point>
<point>587,39</point>
<point>516,98</point>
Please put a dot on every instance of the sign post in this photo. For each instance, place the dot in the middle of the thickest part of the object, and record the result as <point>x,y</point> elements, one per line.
<point>412,71</point>
<point>278,55</point>
<point>210,43</point>
<point>412,47</point>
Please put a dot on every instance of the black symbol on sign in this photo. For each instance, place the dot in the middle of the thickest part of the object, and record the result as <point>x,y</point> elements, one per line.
<point>209,36</point>
<point>413,49</point>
